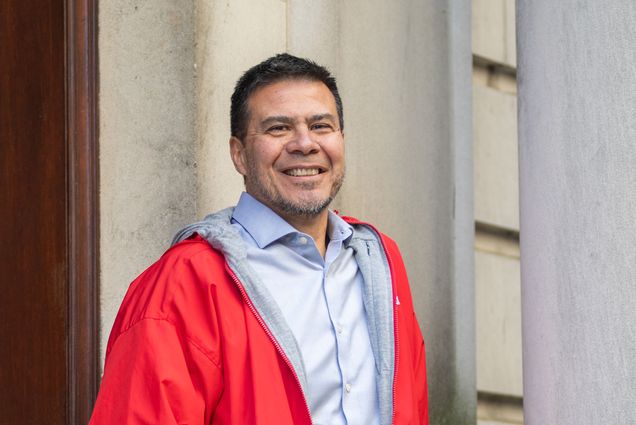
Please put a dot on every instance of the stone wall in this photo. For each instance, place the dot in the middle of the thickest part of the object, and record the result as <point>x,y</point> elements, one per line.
<point>497,271</point>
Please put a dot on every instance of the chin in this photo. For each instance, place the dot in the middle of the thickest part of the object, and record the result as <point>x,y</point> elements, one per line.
<point>304,208</point>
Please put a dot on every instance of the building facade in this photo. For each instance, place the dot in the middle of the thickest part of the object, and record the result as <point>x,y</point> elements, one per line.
<point>511,198</point>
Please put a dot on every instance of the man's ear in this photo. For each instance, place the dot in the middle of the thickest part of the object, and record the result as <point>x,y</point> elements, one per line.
<point>237,152</point>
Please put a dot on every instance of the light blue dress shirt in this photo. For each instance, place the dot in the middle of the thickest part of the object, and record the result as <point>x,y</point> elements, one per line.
<point>321,300</point>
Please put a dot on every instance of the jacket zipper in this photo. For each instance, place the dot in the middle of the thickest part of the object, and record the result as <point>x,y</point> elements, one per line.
<point>248,301</point>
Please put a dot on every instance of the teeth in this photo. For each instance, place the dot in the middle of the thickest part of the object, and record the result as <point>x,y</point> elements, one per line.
<point>302,172</point>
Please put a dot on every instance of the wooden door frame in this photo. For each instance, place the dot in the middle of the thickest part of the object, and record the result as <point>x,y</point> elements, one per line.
<point>81,70</point>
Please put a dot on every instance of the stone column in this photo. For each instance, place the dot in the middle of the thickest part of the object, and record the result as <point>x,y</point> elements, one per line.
<point>577,145</point>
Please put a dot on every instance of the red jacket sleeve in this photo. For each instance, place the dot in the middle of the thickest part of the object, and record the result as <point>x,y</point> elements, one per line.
<point>162,362</point>
<point>416,347</point>
<point>153,376</point>
<point>420,377</point>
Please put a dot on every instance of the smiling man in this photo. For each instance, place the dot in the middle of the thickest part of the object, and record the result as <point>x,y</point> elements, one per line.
<point>277,311</point>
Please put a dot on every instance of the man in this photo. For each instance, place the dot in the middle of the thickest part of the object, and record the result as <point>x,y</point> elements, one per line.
<point>277,311</point>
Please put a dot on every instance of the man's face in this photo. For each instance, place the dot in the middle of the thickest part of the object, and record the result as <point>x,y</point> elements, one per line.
<point>292,156</point>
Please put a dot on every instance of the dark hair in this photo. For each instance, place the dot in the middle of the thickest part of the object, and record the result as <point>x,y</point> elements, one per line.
<point>277,68</point>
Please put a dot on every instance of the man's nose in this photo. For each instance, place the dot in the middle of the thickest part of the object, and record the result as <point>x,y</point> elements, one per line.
<point>303,142</point>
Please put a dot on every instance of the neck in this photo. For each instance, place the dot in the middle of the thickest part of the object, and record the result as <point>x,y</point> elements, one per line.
<point>314,226</point>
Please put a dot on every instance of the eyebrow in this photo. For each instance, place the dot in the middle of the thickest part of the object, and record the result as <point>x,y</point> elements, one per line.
<point>320,117</point>
<point>288,120</point>
<point>277,118</point>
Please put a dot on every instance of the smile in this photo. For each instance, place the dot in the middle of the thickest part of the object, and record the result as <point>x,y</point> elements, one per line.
<point>299,172</point>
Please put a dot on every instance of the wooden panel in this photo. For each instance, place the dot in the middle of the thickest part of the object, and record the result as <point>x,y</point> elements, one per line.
<point>82,121</point>
<point>33,255</point>
<point>48,211</point>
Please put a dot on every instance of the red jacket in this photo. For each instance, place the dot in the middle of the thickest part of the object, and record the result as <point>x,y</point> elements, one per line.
<point>189,347</point>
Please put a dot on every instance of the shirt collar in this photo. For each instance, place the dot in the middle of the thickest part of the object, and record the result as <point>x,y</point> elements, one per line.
<point>338,229</point>
<point>265,226</point>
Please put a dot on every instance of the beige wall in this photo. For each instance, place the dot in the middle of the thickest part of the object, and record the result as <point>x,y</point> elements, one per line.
<point>148,164</point>
<point>497,274</point>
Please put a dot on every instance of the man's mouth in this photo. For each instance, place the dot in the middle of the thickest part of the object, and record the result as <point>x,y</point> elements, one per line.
<point>300,172</point>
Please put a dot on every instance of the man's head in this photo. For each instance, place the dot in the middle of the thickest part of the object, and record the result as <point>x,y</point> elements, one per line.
<point>277,68</point>
<point>287,138</point>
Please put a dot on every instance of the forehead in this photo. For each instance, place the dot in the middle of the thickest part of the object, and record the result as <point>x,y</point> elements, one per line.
<point>294,97</point>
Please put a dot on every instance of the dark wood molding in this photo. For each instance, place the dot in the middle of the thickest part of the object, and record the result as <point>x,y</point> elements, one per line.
<point>83,209</point>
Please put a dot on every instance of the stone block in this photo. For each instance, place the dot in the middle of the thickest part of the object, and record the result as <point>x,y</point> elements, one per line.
<point>511,37</point>
<point>495,156</point>
<point>503,81</point>
<point>497,409</point>
<point>498,306</point>
<point>485,422</point>
<point>494,31</point>
<point>497,243</point>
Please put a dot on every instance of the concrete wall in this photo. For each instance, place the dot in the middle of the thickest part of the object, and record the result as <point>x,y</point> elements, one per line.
<point>497,267</point>
<point>404,75</point>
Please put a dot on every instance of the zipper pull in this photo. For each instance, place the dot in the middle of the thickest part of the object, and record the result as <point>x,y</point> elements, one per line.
<point>397,300</point>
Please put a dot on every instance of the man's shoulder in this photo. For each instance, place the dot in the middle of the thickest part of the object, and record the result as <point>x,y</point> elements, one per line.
<point>188,267</point>
<point>195,248</point>
<point>173,288</point>
<point>187,264</point>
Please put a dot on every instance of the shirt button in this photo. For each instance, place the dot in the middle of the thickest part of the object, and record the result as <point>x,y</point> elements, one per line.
<point>339,329</point>
<point>348,388</point>
<point>302,240</point>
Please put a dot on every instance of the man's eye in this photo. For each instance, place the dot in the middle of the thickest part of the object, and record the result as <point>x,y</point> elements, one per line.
<point>321,126</point>
<point>277,129</point>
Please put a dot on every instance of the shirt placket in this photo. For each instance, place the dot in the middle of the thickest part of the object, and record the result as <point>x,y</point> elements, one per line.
<point>335,307</point>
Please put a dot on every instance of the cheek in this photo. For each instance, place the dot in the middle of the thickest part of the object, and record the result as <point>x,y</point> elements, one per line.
<point>266,155</point>
<point>261,160</point>
<point>335,152</point>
